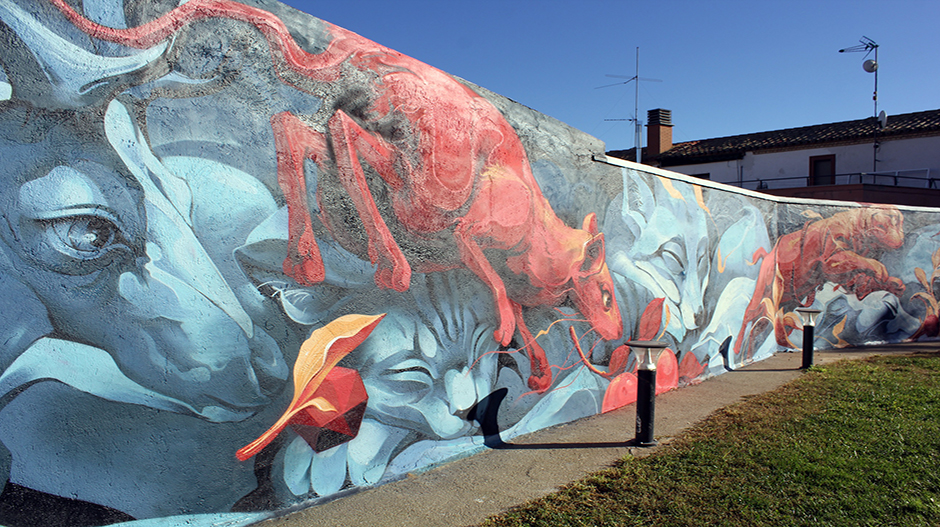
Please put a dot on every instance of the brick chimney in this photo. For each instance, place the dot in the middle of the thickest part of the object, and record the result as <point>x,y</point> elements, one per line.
<point>658,131</point>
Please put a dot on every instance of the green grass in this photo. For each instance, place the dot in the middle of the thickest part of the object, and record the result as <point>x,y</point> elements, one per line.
<point>854,443</point>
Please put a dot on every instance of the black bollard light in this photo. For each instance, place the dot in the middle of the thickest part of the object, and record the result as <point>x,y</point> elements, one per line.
<point>809,324</point>
<point>646,390</point>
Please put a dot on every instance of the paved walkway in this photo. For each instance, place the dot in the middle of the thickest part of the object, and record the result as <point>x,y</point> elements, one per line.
<point>467,491</point>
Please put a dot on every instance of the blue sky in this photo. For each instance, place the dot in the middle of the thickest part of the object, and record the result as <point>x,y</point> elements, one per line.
<point>727,67</point>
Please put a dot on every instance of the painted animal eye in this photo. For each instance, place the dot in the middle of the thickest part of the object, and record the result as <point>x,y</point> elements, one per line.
<point>703,259</point>
<point>672,255</point>
<point>673,263</point>
<point>607,299</point>
<point>85,237</point>
<point>85,234</point>
<point>81,218</point>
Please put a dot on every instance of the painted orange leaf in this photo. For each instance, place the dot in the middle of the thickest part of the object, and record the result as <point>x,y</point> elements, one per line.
<point>651,320</point>
<point>769,308</point>
<point>837,332</point>
<point>318,355</point>
<point>935,260</point>
<point>700,199</point>
<point>777,288</point>
<point>933,276</point>
<point>791,319</point>
<point>922,278</point>
<point>928,301</point>
<point>667,372</point>
<point>618,360</point>
<point>667,184</point>
<point>690,369</point>
<point>666,324</point>
<point>620,392</point>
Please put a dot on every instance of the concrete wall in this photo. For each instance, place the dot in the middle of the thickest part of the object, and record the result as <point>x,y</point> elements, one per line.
<point>250,261</point>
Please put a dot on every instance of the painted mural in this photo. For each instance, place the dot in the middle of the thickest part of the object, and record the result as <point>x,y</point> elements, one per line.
<point>251,260</point>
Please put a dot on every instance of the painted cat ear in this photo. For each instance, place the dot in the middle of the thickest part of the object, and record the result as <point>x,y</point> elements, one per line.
<point>590,223</point>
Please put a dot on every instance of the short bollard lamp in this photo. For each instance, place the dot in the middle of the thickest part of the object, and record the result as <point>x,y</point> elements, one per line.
<point>809,317</point>
<point>646,389</point>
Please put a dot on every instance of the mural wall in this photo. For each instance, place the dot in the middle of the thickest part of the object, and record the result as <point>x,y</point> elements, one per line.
<point>250,260</point>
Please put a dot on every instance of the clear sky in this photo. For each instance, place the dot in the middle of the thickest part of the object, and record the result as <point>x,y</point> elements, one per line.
<point>727,67</point>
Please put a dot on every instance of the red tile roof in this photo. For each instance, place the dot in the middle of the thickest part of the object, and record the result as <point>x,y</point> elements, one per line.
<point>847,132</point>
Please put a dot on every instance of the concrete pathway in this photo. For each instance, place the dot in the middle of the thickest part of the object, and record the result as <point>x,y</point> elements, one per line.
<point>467,491</point>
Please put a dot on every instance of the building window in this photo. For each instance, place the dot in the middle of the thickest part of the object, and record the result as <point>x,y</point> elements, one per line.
<point>822,170</point>
<point>704,175</point>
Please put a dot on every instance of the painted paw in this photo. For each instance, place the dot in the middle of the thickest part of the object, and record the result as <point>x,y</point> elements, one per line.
<point>507,328</point>
<point>397,277</point>
<point>540,371</point>
<point>540,384</point>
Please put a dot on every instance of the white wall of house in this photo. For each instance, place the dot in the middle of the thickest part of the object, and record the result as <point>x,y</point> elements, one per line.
<point>914,158</point>
<point>919,153</point>
<point>721,171</point>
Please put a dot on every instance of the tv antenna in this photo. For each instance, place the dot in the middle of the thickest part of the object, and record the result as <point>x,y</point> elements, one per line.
<point>871,66</point>
<point>638,126</point>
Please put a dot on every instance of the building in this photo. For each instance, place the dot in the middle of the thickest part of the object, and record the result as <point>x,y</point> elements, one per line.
<point>895,159</point>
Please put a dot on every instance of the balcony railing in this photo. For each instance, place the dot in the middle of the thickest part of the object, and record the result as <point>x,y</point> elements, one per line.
<point>914,178</point>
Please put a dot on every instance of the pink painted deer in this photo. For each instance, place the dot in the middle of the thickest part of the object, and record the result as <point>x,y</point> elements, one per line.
<point>455,183</point>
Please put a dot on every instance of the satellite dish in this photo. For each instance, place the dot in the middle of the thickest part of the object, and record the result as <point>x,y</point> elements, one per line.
<point>870,66</point>
<point>882,119</point>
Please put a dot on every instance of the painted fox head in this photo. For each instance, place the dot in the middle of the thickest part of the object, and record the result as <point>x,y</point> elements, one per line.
<point>593,288</point>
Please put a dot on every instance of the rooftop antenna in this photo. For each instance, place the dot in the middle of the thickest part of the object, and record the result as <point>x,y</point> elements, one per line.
<point>638,125</point>
<point>871,66</point>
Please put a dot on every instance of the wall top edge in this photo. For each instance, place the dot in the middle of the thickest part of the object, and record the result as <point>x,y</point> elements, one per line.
<point>622,163</point>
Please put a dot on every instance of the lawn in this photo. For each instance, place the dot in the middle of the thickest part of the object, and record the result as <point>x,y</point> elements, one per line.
<point>854,443</point>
